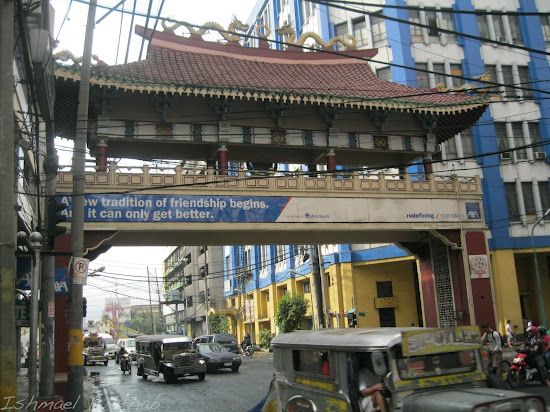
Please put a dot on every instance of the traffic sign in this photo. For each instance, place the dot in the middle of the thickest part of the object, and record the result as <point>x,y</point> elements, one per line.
<point>80,270</point>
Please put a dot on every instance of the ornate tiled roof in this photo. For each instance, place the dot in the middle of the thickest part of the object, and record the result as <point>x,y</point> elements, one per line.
<point>190,66</point>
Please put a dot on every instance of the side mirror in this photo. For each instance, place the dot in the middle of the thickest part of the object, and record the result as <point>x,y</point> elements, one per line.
<point>379,363</point>
<point>388,381</point>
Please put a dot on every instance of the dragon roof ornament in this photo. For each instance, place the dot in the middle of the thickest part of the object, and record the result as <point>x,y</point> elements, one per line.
<point>230,34</point>
<point>65,55</point>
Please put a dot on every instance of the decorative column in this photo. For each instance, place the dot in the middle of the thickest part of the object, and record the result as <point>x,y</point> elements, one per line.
<point>427,163</point>
<point>101,156</point>
<point>222,160</point>
<point>331,159</point>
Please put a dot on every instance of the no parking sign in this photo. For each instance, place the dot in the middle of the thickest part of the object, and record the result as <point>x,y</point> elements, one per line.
<point>80,270</point>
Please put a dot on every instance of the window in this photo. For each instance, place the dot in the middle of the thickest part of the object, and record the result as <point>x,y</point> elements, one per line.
<point>431,21</point>
<point>360,31</point>
<point>529,201</point>
<point>450,148</point>
<point>524,81</point>
<point>516,32</point>
<point>341,29</point>
<point>491,70</point>
<point>384,73</point>
<point>499,28</point>
<point>233,303</point>
<point>308,361</point>
<point>378,27</point>
<point>544,194</point>
<point>508,79</point>
<point>545,24</point>
<point>439,74</point>
<point>482,26</point>
<point>307,287</point>
<point>416,31</point>
<point>512,201</point>
<point>534,134</point>
<point>467,140</point>
<point>456,70</point>
<point>267,296</point>
<point>422,76</point>
<point>308,8</point>
<point>448,23</point>
<point>502,136</point>
<point>519,140</point>
<point>189,302</point>
<point>280,253</point>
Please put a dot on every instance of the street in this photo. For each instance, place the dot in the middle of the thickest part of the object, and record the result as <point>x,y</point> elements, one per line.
<point>220,391</point>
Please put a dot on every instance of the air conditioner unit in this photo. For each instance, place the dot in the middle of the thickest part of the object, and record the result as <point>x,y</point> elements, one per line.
<point>540,155</point>
<point>502,39</point>
<point>506,156</point>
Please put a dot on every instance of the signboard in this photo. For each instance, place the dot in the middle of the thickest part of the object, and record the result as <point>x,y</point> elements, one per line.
<point>430,341</point>
<point>61,282</point>
<point>388,302</point>
<point>479,267</point>
<point>265,209</point>
<point>22,313</point>
<point>249,310</point>
<point>80,270</point>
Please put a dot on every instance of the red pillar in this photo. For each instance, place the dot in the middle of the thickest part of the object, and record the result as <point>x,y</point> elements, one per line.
<point>101,156</point>
<point>223,163</point>
<point>331,160</point>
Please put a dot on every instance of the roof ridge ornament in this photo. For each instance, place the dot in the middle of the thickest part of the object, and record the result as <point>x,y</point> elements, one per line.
<point>230,34</point>
<point>65,55</point>
<point>287,30</point>
<point>469,87</point>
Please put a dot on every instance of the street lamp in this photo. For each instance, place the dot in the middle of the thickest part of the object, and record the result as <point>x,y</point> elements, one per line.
<point>537,273</point>
<point>93,273</point>
<point>294,272</point>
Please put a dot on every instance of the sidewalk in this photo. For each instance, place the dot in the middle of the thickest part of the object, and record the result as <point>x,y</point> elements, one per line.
<point>26,403</point>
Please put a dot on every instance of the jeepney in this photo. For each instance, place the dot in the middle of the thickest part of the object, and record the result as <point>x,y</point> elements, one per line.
<point>94,349</point>
<point>423,370</point>
<point>171,356</point>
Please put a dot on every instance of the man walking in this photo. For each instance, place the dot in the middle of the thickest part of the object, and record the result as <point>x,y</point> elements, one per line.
<point>495,347</point>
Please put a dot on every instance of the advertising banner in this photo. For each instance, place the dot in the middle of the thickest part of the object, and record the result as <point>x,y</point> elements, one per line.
<point>258,209</point>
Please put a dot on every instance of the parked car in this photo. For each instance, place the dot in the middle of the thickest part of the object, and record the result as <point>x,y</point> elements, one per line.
<point>227,340</point>
<point>127,343</point>
<point>110,345</point>
<point>218,357</point>
<point>173,357</point>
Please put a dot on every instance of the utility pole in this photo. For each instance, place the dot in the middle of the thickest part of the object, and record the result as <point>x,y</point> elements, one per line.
<point>206,288</point>
<point>75,387</point>
<point>316,280</point>
<point>47,289</point>
<point>36,241</point>
<point>8,343</point>
<point>324,295</point>
<point>153,323</point>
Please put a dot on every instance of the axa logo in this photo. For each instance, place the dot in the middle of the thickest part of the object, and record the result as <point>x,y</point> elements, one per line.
<point>473,211</point>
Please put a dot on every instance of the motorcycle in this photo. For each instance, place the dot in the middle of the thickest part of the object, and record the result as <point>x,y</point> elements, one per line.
<point>523,369</point>
<point>126,364</point>
<point>247,351</point>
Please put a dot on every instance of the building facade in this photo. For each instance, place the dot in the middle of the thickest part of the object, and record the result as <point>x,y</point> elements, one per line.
<point>193,284</point>
<point>445,45</point>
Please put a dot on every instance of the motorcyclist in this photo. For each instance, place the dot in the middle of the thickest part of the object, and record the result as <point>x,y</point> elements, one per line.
<point>534,340</point>
<point>246,342</point>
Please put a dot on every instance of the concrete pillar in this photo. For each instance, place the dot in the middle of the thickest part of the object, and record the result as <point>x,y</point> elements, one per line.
<point>427,163</point>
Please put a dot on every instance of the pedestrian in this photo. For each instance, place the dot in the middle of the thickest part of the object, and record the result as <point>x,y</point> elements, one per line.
<point>495,347</point>
<point>511,334</point>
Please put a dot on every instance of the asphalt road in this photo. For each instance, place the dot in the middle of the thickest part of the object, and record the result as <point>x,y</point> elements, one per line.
<point>220,391</point>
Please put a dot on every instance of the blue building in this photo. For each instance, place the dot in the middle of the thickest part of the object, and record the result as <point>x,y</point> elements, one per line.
<point>443,44</point>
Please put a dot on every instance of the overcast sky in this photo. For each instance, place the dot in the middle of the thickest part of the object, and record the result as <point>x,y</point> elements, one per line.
<point>125,271</point>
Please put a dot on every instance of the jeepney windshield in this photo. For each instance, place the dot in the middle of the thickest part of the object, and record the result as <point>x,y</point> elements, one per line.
<point>178,347</point>
<point>436,364</point>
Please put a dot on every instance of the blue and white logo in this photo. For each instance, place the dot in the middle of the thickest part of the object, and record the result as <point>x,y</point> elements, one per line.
<point>473,211</point>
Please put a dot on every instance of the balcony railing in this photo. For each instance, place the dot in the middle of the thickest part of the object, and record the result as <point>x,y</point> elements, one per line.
<point>180,179</point>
